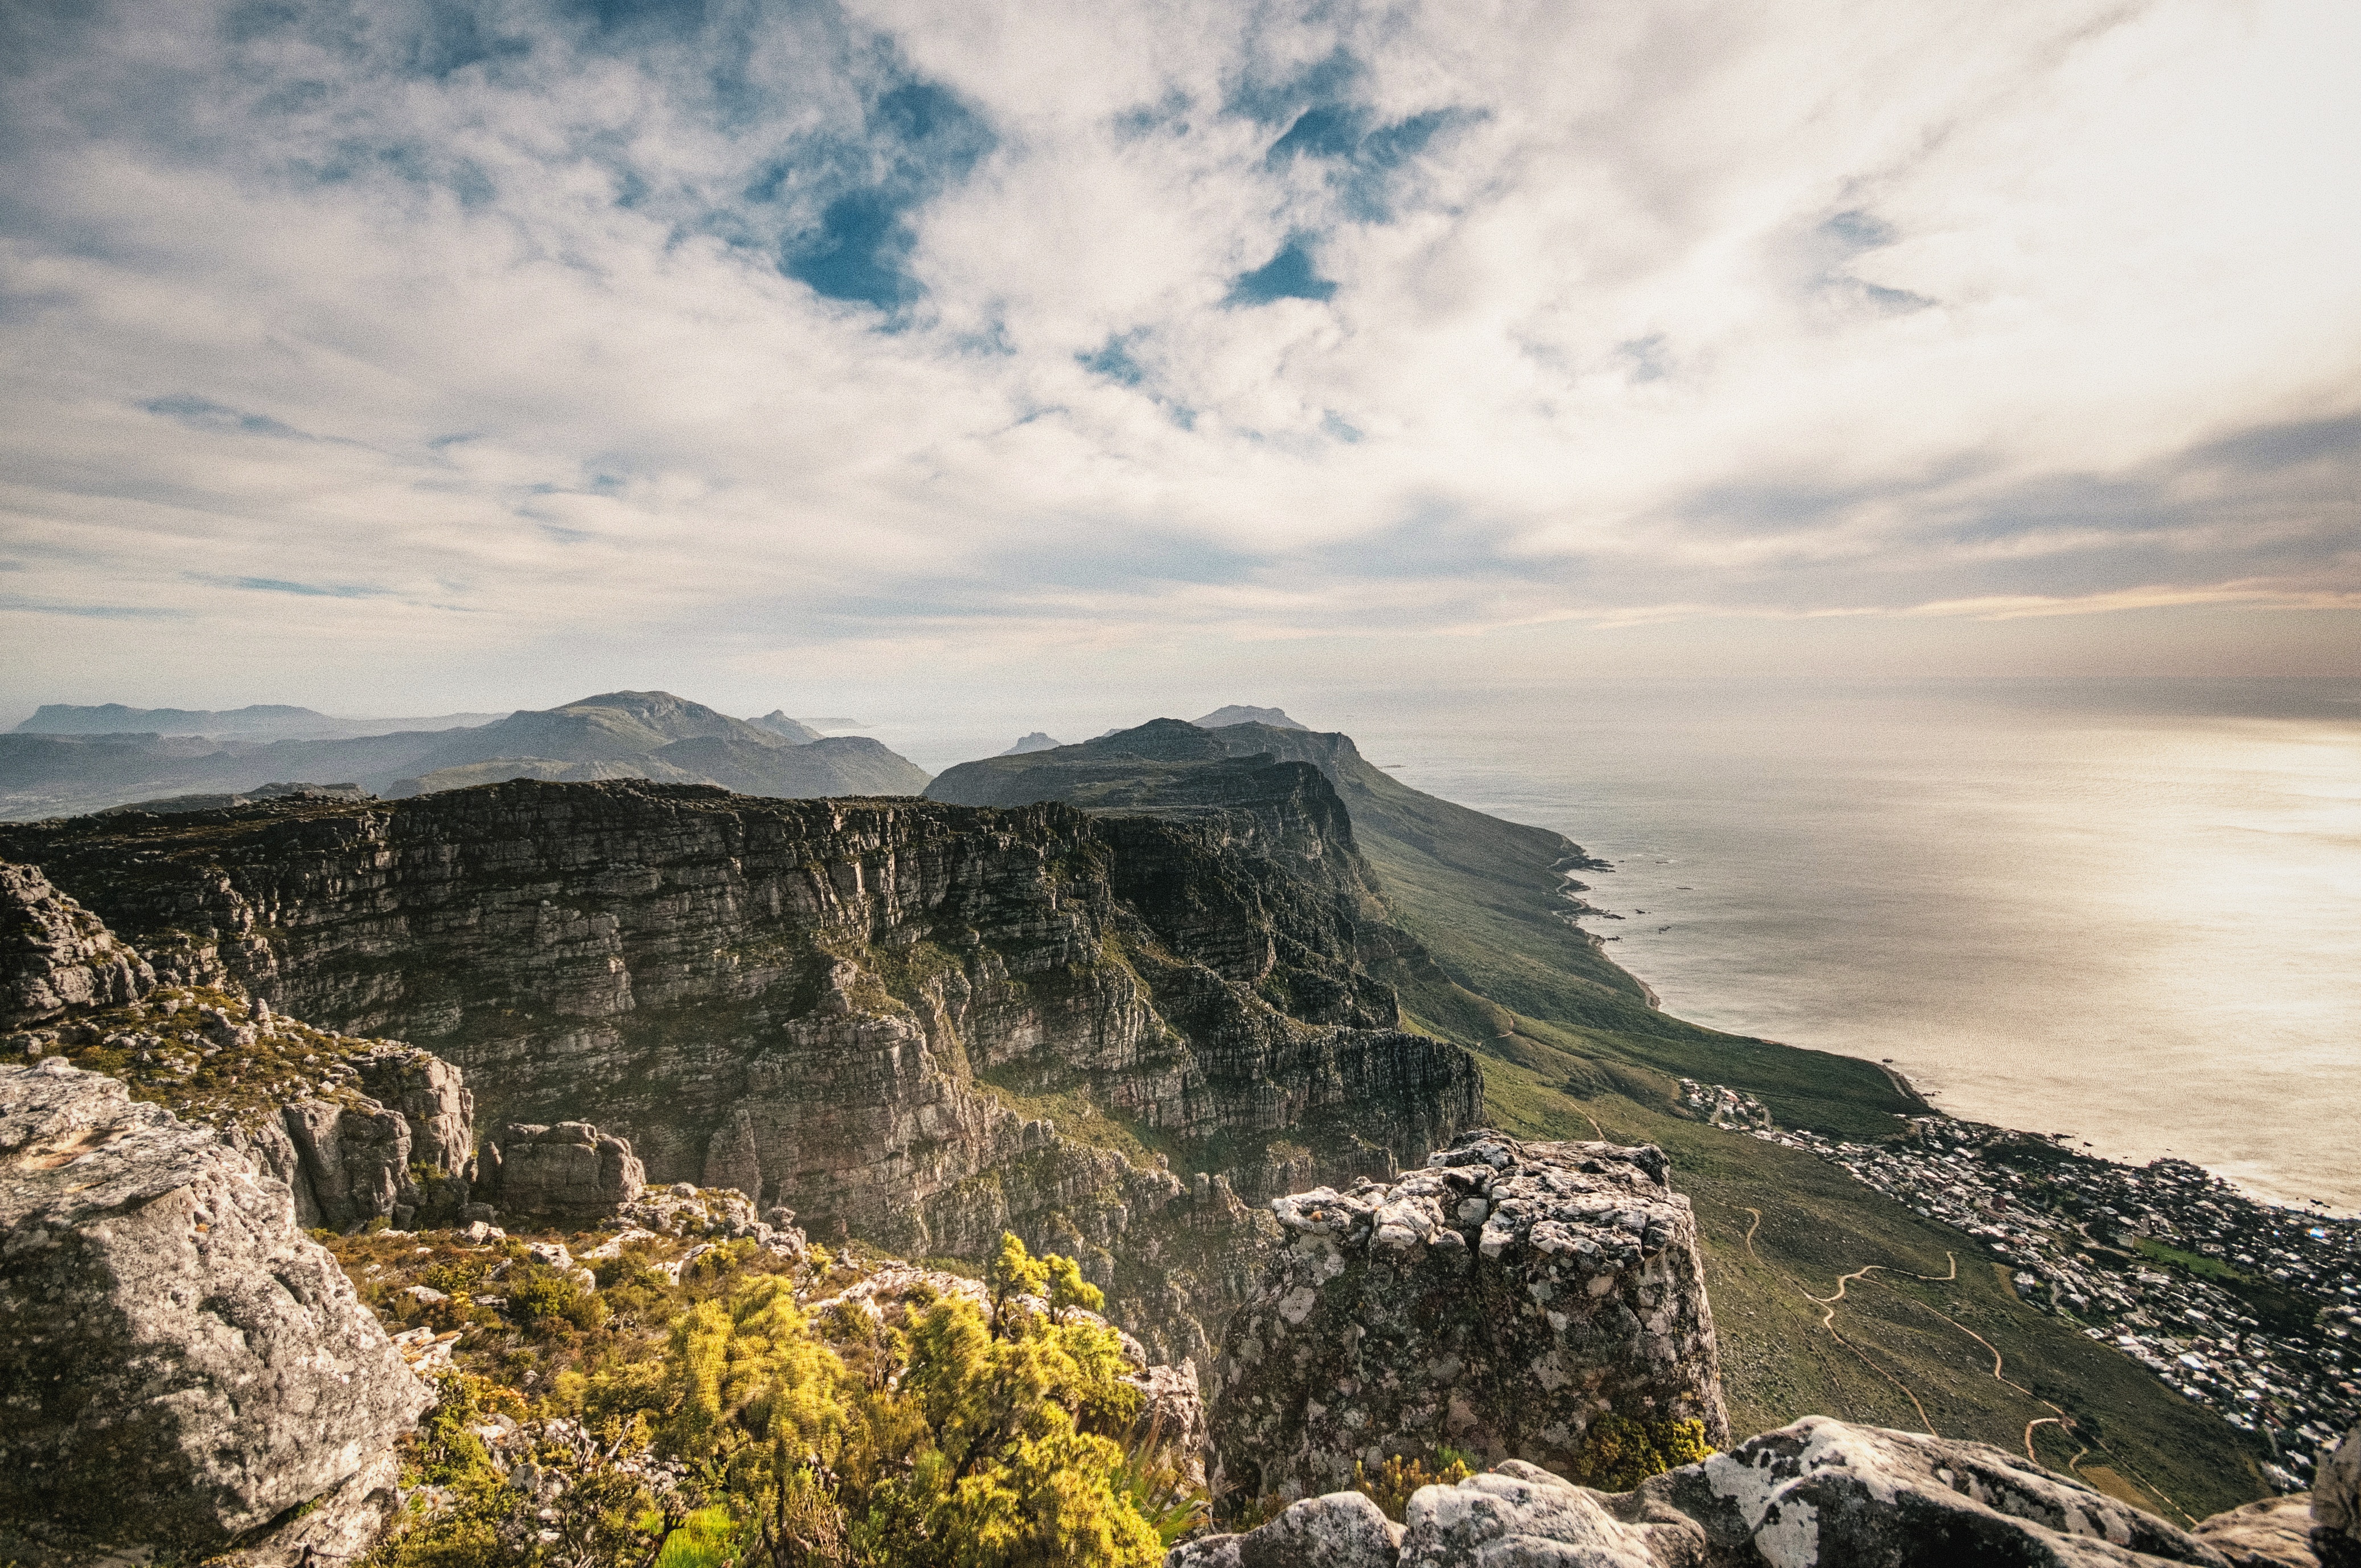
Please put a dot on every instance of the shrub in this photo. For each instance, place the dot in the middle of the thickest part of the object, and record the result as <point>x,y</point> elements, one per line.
<point>1619,1453</point>
<point>1398,1477</point>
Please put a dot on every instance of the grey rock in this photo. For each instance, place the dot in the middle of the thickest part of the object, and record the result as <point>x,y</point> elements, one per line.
<point>341,1525</point>
<point>1172,1408</point>
<point>1520,1516</point>
<point>352,1162</point>
<point>569,1168</point>
<point>1828,1492</point>
<point>180,1363</point>
<point>1343,1529</point>
<point>1819,1494</point>
<point>54,954</point>
<point>1501,1300</point>
<point>2273,1533</point>
<point>431,1095</point>
<point>2336,1505</point>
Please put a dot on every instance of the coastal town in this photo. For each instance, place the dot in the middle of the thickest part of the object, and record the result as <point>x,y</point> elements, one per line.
<point>2248,1308</point>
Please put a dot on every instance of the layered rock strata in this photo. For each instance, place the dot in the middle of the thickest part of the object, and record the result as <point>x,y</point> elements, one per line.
<point>54,954</point>
<point>914,1023</point>
<point>1501,1301</point>
<point>1819,1494</point>
<point>179,1364</point>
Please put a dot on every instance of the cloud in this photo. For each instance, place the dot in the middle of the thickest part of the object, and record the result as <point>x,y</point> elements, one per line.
<point>872,330</point>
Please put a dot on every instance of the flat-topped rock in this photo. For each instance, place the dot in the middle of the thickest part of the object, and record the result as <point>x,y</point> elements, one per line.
<point>569,1168</point>
<point>1506,1300</point>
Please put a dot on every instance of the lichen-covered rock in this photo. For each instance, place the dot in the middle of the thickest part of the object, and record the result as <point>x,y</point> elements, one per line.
<point>2273,1533</point>
<point>2336,1505</point>
<point>1819,1494</point>
<point>178,1363</point>
<point>54,954</point>
<point>570,1168</point>
<point>1824,1492</point>
<point>1342,1529</point>
<point>1519,1515</point>
<point>1501,1300</point>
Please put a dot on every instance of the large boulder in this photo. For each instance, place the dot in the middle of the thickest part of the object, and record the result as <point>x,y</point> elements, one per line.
<point>1819,1494</point>
<point>1824,1491</point>
<point>54,954</point>
<point>180,1365</point>
<point>352,1161</point>
<point>2273,1533</point>
<point>2336,1505</point>
<point>1540,1301</point>
<point>570,1168</point>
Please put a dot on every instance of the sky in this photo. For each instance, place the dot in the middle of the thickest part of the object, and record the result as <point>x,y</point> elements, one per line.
<point>412,355</point>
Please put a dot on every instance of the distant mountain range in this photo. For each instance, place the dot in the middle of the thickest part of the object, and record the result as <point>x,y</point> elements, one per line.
<point>49,768</point>
<point>261,721</point>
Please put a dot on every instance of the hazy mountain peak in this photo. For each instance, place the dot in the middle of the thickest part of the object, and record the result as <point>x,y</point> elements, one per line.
<point>794,730</point>
<point>1235,713</point>
<point>1035,742</point>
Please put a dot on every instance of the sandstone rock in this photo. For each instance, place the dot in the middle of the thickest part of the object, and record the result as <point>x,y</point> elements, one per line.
<point>2336,1505</point>
<point>2273,1533</point>
<point>181,1364</point>
<point>1501,1301</point>
<point>570,1168</point>
<point>54,954</point>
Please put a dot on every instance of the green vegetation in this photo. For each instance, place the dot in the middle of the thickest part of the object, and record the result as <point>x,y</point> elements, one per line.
<point>752,1413</point>
<point>1398,1477</point>
<point>1619,1453</point>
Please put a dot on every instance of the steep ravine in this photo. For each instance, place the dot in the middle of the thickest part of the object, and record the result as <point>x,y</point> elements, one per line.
<point>911,1021</point>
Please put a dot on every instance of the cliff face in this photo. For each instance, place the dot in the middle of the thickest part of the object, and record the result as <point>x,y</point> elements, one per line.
<point>910,1022</point>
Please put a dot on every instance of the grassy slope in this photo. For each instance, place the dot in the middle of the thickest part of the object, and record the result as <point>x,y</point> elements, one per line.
<point>1572,1049</point>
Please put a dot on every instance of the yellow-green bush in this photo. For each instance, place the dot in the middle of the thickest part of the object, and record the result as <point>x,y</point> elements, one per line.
<point>1619,1453</point>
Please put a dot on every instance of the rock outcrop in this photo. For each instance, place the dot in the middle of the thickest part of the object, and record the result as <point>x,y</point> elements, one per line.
<point>571,1168</point>
<point>1819,1494</point>
<point>179,1364</point>
<point>2273,1533</point>
<point>912,1023</point>
<point>1527,1300</point>
<point>54,954</point>
<point>2336,1505</point>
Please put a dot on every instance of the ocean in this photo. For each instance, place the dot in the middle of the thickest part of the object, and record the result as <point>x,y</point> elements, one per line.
<point>2129,911</point>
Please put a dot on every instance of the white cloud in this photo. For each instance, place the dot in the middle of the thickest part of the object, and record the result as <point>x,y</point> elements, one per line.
<point>1783,310</point>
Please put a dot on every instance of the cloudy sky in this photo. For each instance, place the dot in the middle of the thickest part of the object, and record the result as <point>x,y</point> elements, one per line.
<point>418,355</point>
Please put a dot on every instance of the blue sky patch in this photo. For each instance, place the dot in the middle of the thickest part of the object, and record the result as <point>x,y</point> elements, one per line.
<point>1290,275</point>
<point>1114,359</point>
<point>220,419</point>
